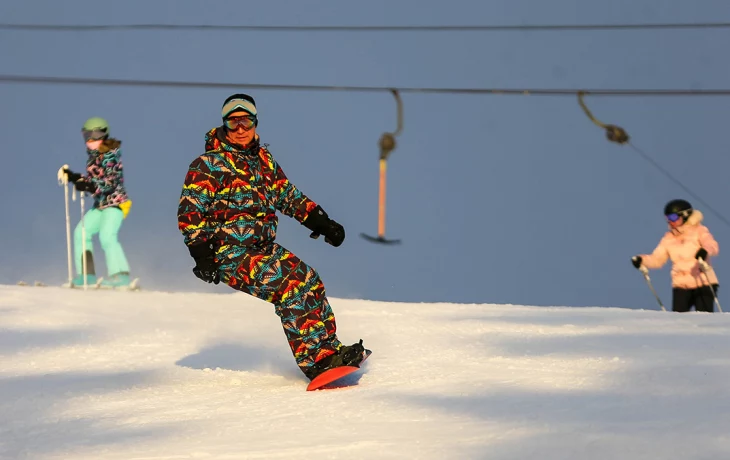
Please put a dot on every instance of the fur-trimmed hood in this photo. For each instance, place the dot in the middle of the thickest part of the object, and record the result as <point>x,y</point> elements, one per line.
<point>695,218</point>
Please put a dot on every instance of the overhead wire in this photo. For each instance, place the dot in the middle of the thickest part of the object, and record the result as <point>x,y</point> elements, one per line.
<point>31,79</point>
<point>367,28</point>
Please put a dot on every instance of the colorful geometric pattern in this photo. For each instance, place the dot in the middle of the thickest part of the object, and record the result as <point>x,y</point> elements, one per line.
<point>230,196</point>
<point>272,273</point>
<point>105,172</point>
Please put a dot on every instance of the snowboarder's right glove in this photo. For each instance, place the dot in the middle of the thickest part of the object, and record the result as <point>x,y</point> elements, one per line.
<point>206,267</point>
<point>636,261</point>
<point>320,224</point>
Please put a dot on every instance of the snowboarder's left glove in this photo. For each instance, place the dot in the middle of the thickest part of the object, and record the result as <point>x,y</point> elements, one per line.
<point>701,254</point>
<point>206,267</point>
<point>84,186</point>
<point>320,224</point>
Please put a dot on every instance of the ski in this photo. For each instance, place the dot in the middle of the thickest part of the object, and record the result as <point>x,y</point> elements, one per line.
<point>132,286</point>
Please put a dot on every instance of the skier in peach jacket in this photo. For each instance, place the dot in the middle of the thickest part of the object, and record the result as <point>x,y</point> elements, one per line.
<point>686,241</point>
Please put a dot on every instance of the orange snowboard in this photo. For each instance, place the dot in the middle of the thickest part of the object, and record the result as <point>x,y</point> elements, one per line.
<point>336,373</point>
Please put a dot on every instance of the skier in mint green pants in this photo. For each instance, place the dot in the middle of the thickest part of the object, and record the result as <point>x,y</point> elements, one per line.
<point>105,182</point>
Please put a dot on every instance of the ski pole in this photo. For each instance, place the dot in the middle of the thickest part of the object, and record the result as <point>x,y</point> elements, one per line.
<point>645,272</point>
<point>63,181</point>
<point>69,257</point>
<point>83,241</point>
<point>703,267</point>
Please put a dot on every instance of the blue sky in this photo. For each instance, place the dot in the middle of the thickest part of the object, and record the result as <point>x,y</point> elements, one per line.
<point>506,199</point>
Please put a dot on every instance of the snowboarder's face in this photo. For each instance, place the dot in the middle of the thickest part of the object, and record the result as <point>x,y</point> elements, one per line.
<point>241,134</point>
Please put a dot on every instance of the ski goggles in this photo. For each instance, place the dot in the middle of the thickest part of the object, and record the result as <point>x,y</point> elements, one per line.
<point>94,135</point>
<point>245,122</point>
<point>673,217</point>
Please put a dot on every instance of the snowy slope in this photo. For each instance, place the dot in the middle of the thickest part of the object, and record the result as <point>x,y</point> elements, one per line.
<point>144,375</point>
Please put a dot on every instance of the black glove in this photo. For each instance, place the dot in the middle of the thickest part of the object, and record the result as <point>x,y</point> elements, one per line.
<point>84,186</point>
<point>320,224</point>
<point>72,176</point>
<point>701,254</point>
<point>206,267</point>
<point>636,262</point>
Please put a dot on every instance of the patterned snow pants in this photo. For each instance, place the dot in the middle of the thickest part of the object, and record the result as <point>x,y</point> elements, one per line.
<point>271,273</point>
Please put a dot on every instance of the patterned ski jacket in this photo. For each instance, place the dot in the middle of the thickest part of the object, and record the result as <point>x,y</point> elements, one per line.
<point>104,170</point>
<point>680,245</point>
<point>230,196</point>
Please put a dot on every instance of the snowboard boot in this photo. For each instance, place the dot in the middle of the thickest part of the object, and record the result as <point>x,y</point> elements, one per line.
<point>116,280</point>
<point>346,356</point>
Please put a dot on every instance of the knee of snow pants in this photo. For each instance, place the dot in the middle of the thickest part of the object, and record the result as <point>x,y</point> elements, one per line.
<point>272,273</point>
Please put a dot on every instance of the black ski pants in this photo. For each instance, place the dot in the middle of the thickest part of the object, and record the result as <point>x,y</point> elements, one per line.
<point>701,298</point>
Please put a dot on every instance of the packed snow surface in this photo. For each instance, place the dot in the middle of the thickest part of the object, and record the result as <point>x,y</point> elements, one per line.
<point>154,375</point>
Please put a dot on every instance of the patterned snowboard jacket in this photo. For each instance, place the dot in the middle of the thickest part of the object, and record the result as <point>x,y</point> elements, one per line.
<point>104,170</point>
<point>231,196</point>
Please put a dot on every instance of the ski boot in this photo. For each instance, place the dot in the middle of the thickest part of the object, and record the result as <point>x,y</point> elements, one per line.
<point>116,280</point>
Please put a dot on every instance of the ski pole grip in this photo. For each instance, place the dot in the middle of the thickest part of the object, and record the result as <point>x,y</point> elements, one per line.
<point>62,176</point>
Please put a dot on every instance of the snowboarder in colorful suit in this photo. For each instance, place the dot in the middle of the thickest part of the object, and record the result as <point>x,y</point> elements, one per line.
<point>104,180</point>
<point>227,215</point>
<point>686,241</point>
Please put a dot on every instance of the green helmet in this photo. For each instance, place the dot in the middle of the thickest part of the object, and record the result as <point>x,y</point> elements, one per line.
<point>96,123</point>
